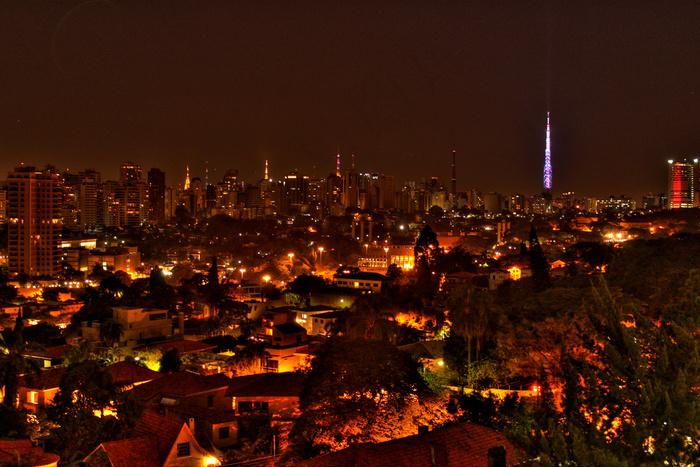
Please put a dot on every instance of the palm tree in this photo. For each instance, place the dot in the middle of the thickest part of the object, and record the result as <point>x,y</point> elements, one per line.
<point>111,331</point>
<point>14,364</point>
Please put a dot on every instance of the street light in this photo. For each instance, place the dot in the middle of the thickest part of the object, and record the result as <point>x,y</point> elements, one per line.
<point>386,251</point>
<point>242,272</point>
<point>266,279</point>
<point>320,256</point>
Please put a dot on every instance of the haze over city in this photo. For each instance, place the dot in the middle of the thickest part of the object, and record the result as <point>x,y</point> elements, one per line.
<point>399,85</point>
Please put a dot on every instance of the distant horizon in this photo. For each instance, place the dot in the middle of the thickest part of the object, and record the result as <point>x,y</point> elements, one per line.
<point>397,84</point>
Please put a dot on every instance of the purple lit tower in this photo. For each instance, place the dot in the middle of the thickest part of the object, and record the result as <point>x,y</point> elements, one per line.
<point>547,163</point>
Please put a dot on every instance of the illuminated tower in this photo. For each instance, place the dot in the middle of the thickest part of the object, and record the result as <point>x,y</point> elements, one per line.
<point>267,174</point>
<point>454,178</point>
<point>682,183</point>
<point>187,179</point>
<point>547,162</point>
<point>337,164</point>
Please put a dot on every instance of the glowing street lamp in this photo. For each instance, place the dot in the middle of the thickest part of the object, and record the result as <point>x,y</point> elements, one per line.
<point>266,279</point>
<point>386,251</point>
<point>320,256</point>
<point>242,272</point>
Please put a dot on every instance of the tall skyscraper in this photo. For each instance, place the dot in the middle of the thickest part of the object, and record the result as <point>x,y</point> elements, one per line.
<point>156,195</point>
<point>682,183</point>
<point>34,228</point>
<point>547,162</point>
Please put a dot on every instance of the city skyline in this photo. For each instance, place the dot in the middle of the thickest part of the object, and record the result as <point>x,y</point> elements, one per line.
<point>400,86</point>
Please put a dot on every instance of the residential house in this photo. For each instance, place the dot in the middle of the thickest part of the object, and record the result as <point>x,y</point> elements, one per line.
<point>367,281</point>
<point>158,441</point>
<point>139,324</point>
<point>465,444</point>
<point>276,394</point>
<point>220,429</point>
<point>48,357</point>
<point>185,387</point>
<point>286,341</point>
<point>36,391</point>
<point>316,319</point>
<point>21,452</point>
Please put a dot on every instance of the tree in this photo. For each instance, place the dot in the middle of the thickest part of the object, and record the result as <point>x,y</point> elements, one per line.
<point>111,331</point>
<point>358,391</point>
<point>538,262</point>
<point>171,361</point>
<point>629,394</point>
<point>303,286</point>
<point>13,363</point>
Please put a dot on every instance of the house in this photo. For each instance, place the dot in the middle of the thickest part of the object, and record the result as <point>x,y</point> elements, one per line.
<point>128,375</point>
<point>8,308</point>
<point>36,391</point>
<point>286,341</point>
<point>50,356</point>
<point>368,281</point>
<point>220,429</point>
<point>158,441</point>
<point>185,387</point>
<point>21,452</point>
<point>316,319</point>
<point>139,325</point>
<point>462,445</point>
<point>276,394</point>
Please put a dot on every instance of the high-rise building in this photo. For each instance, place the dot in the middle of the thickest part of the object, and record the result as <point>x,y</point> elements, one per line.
<point>129,172</point>
<point>156,195</point>
<point>34,228</point>
<point>682,183</point>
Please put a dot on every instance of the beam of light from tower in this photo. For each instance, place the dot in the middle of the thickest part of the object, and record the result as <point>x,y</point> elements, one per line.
<point>547,161</point>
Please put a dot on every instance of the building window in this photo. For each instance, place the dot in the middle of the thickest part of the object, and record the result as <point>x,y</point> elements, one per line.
<point>183,449</point>
<point>33,397</point>
<point>245,407</point>
<point>210,401</point>
<point>223,432</point>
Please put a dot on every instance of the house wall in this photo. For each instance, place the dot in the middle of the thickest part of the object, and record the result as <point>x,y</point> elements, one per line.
<point>197,457</point>
<point>44,398</point>
<point>279,407</point>
<point>221,402</point>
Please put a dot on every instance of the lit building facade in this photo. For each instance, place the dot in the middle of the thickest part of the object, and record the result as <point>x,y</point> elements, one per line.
<point>34,222</point>
<point>682,183</point>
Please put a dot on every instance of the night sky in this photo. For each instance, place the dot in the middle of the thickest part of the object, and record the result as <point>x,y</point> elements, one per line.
<point>397,83</point>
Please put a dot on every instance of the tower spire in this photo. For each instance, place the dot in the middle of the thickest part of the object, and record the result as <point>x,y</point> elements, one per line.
<point>267,177</point>
<point>187,179</point>
<point>454,177</point>
<point>547,161</point>
<point>337,163</point>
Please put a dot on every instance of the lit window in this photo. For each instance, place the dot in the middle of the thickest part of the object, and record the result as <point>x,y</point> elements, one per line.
<point>33,397</point>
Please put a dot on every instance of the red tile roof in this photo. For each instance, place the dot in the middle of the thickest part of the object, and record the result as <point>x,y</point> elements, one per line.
<point>286,384</point>
<point>180,384</point>
<point>139,451</point>
<point>9,449</point>
<point>462,445</point>
<point>58,351</point>
<point>184,346</point>
<point>124,373</point>
<point>49,378</point>
<point>163,428</point>
<point>214,416</point>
